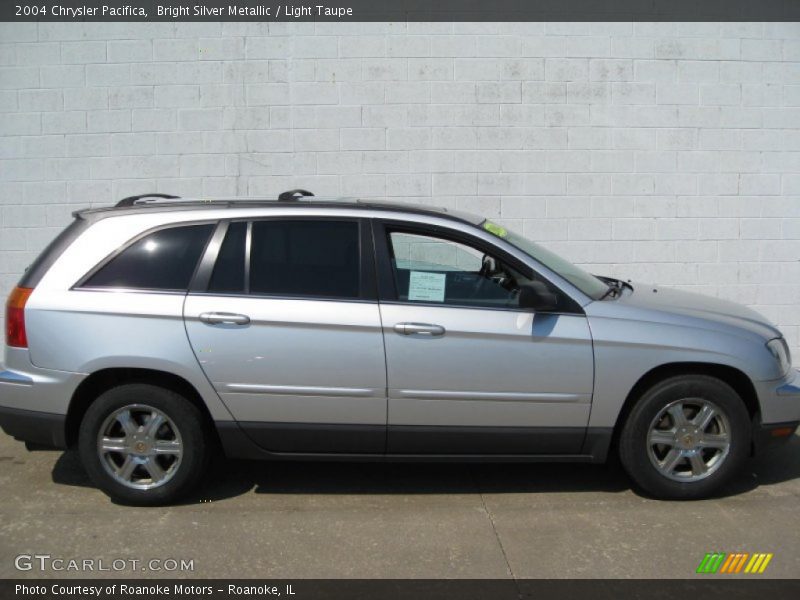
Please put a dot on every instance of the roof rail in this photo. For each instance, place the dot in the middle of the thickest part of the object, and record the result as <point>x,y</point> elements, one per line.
<point>293,195</point>
<point>131,200</point>
<point>290,196</point>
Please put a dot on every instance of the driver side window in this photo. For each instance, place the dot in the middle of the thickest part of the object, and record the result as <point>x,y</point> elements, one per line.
<point>436,270</point>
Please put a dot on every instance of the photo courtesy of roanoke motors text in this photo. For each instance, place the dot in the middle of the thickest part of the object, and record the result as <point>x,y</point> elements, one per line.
<point>393,299</point>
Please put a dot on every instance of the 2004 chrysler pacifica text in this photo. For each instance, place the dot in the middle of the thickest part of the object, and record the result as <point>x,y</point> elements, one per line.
<point>161,331</point>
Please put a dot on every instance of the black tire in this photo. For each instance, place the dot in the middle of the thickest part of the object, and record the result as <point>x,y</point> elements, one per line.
<point>633,447</point>
<point>184,415</point>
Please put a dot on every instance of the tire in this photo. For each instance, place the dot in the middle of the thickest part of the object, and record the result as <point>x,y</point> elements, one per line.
<point>155,448</point>
<point>673,469</point>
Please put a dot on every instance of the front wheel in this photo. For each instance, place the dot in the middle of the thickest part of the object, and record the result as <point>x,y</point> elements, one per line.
<point>685,437</point>
<point>143,444</point>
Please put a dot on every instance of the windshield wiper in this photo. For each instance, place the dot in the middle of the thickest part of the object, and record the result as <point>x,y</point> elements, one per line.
<point>611,290</point>
<point>614,287</point>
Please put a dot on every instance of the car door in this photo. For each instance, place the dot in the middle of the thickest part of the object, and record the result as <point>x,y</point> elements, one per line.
<point>285,323</point>
<point>468,370</point>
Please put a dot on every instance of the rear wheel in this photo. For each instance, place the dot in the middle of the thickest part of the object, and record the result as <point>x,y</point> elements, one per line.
<point>685,437</point>
<point>143,444</point>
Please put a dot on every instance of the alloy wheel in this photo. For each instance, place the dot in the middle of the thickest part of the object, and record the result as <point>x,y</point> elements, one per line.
<point>689,439</point>
<point>140,446</point>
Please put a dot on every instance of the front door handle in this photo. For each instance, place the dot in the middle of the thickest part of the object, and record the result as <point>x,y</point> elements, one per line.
<point>219,318</point>
<point>423,329</point>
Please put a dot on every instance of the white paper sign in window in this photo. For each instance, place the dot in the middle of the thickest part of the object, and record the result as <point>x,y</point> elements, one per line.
<point>426,287</point>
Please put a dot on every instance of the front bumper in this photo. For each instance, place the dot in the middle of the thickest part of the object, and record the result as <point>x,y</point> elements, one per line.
<point>780,411</point>
<point>791,387</point>
<point>774,434</point>
<point>780,399</point>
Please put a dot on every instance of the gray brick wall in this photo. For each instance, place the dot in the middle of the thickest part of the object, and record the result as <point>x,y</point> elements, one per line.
<point>660,152</point>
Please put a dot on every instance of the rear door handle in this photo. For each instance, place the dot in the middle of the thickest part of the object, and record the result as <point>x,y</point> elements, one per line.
<point>219,318</point>
<point>423,329</point>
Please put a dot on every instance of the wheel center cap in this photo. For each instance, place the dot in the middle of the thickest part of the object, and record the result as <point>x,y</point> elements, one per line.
<point>140,447</point>
<point>686,438</point>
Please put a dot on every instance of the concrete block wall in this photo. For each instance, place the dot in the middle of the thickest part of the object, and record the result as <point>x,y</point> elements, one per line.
<point>665,152</point>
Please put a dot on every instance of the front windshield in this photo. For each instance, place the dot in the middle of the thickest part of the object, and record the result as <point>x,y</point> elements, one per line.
<point>585,282</point>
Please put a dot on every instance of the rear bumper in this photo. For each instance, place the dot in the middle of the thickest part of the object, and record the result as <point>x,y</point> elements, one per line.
<point>33,401</point>
<point>47,429</point>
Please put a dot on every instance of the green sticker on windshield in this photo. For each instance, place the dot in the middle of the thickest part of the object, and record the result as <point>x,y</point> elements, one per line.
<point>495,229</point>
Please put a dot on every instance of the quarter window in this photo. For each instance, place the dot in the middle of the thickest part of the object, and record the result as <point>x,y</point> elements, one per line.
<point>163,260</point>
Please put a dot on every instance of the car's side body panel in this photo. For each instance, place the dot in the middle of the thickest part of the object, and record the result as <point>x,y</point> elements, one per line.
<point>633,335</point>
<point>89,331</point>
<point>491,368</point>
<point>85,331</point>
<point>297,361</point>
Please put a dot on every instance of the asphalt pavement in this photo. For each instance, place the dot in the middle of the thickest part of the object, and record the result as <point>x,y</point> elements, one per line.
<point>382,520</point>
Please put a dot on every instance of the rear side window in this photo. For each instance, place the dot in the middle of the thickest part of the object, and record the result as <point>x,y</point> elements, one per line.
<point>305,258</point>
<point>163,260</point>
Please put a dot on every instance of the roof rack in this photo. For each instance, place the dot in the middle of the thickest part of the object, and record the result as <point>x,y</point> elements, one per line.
<point>131,200</point>
<point>290,196</point>
<point>165,202</point>
<point>293,195</point>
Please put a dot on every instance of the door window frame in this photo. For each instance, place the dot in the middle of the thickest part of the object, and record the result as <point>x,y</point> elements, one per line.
<point>367,279</point>
<point>387,286</point>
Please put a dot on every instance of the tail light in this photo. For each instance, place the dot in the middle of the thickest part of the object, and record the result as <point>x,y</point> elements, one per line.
<point>15,317</point>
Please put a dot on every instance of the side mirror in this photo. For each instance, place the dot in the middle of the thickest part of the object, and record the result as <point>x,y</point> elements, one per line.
<point>537,296</point>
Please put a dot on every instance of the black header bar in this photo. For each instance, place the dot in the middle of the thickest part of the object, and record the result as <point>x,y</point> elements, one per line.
<point>400,10</point>
<point>707,587</point>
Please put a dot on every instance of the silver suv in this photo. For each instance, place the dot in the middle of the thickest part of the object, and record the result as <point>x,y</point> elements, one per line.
<point>157,333</point>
